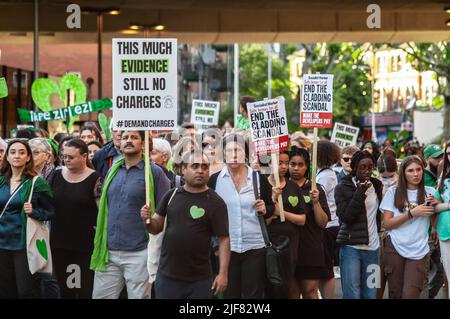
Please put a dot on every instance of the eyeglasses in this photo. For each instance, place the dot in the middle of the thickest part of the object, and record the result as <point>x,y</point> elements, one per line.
<point>346,159</point>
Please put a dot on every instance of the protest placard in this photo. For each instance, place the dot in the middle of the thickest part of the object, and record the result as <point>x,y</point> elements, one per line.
<point>270,135</point>
<point>344,135</point>
<point>145,79</point>
<point>205,113</point>
<point>316,109</point>
<point>268,126</point>
<point>317,101</point>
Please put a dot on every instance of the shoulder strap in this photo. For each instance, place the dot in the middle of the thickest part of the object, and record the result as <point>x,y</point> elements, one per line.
<point>213,180</point>
<point>173,195</point>
<point>32,188</point>
<point>262,223</point>
<point>10,197</point>
<point>322,169</point>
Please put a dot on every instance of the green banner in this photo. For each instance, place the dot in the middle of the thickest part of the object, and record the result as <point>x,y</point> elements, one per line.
<point>61,114</point>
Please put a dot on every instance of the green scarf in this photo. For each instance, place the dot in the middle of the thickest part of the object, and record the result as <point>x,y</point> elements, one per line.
<point>40,186</point>
<point>100,255</point>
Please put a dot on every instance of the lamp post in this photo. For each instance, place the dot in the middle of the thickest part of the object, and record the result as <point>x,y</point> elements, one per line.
<point>35,49</point>
<point>236,82</point>
<point>372,71</point>
<point>100,12</point>
<point>99,54</point>
<point>269,70</point>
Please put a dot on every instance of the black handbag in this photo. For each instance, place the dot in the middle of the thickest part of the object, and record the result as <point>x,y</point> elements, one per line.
<point>274,266</point>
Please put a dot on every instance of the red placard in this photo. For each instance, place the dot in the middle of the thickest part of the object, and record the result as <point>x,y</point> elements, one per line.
<point>274,145</point>
<point>313,119</point>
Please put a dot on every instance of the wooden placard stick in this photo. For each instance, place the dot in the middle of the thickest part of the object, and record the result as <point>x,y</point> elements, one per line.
<point>277,184</point>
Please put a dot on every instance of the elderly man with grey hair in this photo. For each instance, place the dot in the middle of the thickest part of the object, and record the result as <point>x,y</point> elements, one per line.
<point>161,155</point>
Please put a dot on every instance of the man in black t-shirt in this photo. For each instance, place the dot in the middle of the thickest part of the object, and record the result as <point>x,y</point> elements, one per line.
<point>194,215</point>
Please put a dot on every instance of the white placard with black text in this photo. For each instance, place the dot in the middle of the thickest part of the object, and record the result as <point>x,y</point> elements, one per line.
<point>145,79</point>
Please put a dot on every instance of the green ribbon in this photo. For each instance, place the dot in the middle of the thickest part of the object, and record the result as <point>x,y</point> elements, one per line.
<point>61,114</point>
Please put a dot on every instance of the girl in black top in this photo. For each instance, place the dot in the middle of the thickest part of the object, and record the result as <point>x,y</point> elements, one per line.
<point>295,216</point>
<point>357,198</point>
<point>76,189</point>
<point>311,258</point>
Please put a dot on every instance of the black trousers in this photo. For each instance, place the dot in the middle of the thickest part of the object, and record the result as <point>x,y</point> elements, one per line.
<point>438,280</point>
<point>63,258</point>
<point>166,288</point>
<point>16,281</point>
<point>247,275</point>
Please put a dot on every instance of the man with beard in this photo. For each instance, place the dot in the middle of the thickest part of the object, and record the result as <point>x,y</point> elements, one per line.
<point>120,245</point>
<point>433,155</point>
<point>193,214</point>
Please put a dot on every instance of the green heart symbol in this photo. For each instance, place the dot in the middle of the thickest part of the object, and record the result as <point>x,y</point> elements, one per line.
<point>42,248</point>
<point>293,200</point>
<point>3,88</point>
<point>42,90</point>
<point>307,199</point>
<point>196,212</point>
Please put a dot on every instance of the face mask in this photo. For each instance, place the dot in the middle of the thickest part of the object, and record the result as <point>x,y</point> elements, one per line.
<point>389,181</point>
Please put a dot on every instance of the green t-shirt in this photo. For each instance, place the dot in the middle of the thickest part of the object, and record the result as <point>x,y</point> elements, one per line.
<point>443,224</point>
<point>242,123</point>
<point>430,179</point>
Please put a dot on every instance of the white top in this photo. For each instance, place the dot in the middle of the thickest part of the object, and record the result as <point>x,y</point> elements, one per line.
<point>243,223</point>
<point>410,239</point>
<point>371,203</point>
<point>328,180</point>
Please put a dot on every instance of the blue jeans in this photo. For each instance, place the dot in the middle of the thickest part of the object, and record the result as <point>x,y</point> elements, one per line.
<point>359,273</point>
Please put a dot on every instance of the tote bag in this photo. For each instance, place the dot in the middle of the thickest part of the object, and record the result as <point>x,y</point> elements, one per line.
<point>38,243</point>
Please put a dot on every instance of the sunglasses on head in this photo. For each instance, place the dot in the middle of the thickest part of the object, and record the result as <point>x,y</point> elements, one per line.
<point>16,139</point>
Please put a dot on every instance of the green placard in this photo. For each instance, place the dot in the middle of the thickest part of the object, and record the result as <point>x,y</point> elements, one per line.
<point>3,88</point>
<point>61,114</point>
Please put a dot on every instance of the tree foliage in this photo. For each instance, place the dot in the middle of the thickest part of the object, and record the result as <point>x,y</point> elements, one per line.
<point>253,75</point>
<point>352,87</point>
<point>435,57</point>
<point>351,84</point>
